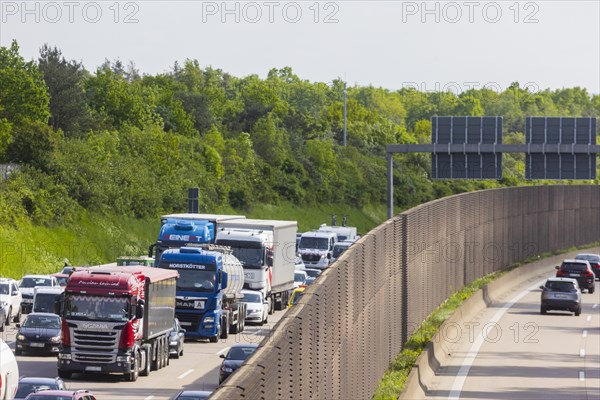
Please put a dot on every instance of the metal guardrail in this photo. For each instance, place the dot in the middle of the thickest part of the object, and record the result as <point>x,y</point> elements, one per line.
<point>338,341</point>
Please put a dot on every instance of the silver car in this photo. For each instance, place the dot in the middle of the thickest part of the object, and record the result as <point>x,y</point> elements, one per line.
<point>561,294</point>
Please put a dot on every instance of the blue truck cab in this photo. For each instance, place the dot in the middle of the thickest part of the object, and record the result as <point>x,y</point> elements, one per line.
<point>207,291</point>
<point>175,233</point>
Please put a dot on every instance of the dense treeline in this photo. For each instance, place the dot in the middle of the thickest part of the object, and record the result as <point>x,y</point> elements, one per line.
<point>118,141</point>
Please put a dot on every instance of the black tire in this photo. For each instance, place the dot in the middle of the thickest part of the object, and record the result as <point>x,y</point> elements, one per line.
<point>542,310</point>
<point>19,352</point>
<point>181,352</point>
<point>133,375</point>
<point>167,358</point>
<point>2,328</point>
<point>8,317</point>
<point>578,312</point>
<point>271,305</point>
<point>147,366</point>
<point>235,328</point>
<point>592,289</point>
<point>17,318</point>
<point>225,328</point>
<point>64,374</point>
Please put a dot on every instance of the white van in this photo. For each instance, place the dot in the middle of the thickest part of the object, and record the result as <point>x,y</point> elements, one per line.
<point>47,299</point>
<point>9,372</point>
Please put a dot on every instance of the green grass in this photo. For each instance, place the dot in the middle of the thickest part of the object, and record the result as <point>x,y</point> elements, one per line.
<point>97,239</point>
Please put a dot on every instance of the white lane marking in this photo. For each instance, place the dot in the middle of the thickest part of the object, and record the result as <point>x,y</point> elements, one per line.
<point>461,377</point>
<point>589,318</point>
<point>595,305</point>
<point>148,398</point>
<point>584,334</point>
<point>582,353</point>
<point>186,373</point>
<point>225,350</point>
<point>581,376</point>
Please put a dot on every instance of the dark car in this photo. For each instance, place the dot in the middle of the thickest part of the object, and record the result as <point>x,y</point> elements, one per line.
<point>561,294</point>
<point>176,339</point>
<point>2,320</point>
<point>193,395</point>
<point>579,270</point>
<point>593,259</point>
<point>61,395</point>
<point>235,357</point>
<point>40,332</point>
<point>32,384</point>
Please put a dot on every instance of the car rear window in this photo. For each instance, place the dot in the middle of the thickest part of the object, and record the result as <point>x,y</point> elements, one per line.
<point>574,267</point>
<point>561,286</point>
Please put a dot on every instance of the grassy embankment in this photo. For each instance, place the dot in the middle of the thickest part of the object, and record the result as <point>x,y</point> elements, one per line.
<point>96,239</point>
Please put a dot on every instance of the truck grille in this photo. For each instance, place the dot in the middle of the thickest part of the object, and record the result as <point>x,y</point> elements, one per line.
<point>95,346</point>
<point>311,257</point>
<point>190,322</point>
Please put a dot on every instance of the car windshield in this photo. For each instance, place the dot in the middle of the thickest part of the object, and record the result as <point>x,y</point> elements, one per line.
<point>337,250</point>
<point>298,277</point>
<point>559,286</point>
<point>314,243</point>
<point>39,321</point>
<point>3,288</point>
<point>588,257</point>
<point>313,272</point>
<point>252,298</point>
<point>574,267</point>
<point>33,282</point>
<point>239,353</point>
<point>29,387</point>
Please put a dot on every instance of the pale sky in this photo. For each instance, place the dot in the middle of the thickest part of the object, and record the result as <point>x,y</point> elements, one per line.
<point>448,45</point>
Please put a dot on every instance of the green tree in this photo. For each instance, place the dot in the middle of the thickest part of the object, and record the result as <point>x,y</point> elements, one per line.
<point>68,106</point>
<point>23,91</point>
<point>33,143</point>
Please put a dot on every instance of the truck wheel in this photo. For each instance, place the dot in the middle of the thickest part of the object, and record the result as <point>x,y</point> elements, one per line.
<point>133,375</point>
<point>64,374</point>
<point>225,328</point>
<point>147,369</point>
<point>235,328</point>
<point>271,305</point>
<point>161,354</point>
<point>167,358</point>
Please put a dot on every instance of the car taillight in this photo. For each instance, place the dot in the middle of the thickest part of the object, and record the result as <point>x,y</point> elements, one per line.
<point>587,273</point>
<point>559,273</point>
<point>65,335</point>
<point>127,337</point>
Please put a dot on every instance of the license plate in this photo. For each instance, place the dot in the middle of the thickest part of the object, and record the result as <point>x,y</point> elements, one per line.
<point>184,323</point>
<point>575,275</point>
<point>560,296</point>
<point>93,369</point>
<point>36,344</point>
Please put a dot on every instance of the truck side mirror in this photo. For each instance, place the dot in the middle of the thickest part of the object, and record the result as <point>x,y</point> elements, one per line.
<point>151,249</point>
<point>139,311</point>
<point>224,279</point>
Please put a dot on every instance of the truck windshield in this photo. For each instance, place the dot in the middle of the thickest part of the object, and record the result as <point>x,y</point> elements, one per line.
<point>250,254</point>
<point>314,243</point>
<point>97,308</point>
<point>3,288</point>
<point>196,281</point>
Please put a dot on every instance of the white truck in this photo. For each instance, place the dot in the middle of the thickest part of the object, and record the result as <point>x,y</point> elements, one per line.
<point>266,249</point>
<point>9,372</point>
<point>316,248</point>
<point>48,299</point>
<point>344,233</point>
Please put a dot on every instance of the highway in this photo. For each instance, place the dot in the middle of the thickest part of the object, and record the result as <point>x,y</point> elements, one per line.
<point>197,369</point>
<point>511,351</point>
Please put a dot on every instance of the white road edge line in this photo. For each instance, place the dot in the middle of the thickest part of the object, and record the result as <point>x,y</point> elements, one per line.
<point>461,377</point>
<point>581,376</point>
<point>148,398</point>
<point>581,352</point>
<point>589,318</point>
<point>584,334</point>
<point>225,350</point>
<point>595,305</point>
<point>186,373</point>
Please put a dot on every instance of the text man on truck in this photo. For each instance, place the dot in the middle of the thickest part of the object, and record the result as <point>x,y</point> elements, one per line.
<point>117,320</point>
